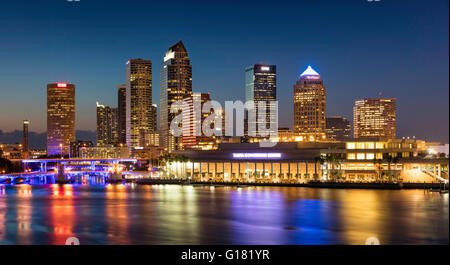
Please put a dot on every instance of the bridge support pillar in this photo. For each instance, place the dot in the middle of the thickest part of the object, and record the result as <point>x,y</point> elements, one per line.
<point>61,173</point>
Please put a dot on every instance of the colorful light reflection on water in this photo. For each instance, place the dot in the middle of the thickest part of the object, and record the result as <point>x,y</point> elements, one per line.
<point>172,214</point>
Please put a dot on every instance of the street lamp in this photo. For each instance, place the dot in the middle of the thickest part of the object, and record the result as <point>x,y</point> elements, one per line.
<point>60,150</point>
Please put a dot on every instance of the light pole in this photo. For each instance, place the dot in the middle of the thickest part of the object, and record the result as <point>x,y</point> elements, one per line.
<point>60,150</point>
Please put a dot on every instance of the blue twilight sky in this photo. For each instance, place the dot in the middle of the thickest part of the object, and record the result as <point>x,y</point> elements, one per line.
<point>360,48</point>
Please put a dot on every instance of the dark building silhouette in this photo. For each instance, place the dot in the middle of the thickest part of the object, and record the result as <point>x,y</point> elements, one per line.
<point>338,128</point>
<point>261,85</point>
<point>122,113</point>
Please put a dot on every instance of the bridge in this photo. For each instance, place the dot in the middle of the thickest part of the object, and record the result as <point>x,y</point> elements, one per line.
<point>79,161</point>
<point>63,169</point>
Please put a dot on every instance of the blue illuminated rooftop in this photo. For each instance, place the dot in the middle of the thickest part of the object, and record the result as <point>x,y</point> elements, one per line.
<point>309,71</point>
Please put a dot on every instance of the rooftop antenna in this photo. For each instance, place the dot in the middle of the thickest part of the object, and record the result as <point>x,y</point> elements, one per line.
<point>380,94</point>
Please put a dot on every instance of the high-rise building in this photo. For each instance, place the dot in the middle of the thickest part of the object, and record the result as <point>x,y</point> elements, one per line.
<point>60,118</point>
<point>154,117</point>
<point>338,128</point>
<point>107,125</point>
<point>261,86</point>
<point>138,101</point>
<point>25,142</point>
<point>374,118</point>
<point>122,113</point>
<point>193,137</point>
<point>176,84</point>
<point>309,106</point>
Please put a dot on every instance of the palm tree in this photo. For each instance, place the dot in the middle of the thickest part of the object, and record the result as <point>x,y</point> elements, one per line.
<point>389,161</point>
<point>377,163</point>
<point>335,161</point>
<point>319,160</point>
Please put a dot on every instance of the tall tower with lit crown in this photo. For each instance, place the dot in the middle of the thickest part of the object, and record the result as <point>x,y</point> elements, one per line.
<point>310,106</point>
<point>176,84</point>
<point>60,118</point>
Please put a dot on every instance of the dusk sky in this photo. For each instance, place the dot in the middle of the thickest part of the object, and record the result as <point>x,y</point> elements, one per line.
<point>360,48</point>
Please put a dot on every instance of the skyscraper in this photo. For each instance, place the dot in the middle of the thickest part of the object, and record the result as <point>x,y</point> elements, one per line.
<point>193,137</point>
<point>176,84</point>
<point>122,113</point>
<point>261,86</point>
<point>107,125</point>
<point>338,128</point>
<point>25,144</point>
<point>138,101</point>
<point>60,118</point>
<point>310,106</point>
<point>374,118</point>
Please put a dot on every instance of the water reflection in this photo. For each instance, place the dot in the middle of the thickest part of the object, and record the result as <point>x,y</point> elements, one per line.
<point>172,214</point>
<point>62,217</point>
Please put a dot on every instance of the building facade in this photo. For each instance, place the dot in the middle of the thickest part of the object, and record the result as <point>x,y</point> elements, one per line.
<point>60,118</point>
<point>261,86</point>
<point>107,125</point>
<point>193,136</point>
<point>374,117</point>
<point>77,147</point>
<point>338,128</point>
<point>176,84</point>
<point>139,117</point>
<point>122,113</point>
<point>310,106</point>
<point>355,160</point>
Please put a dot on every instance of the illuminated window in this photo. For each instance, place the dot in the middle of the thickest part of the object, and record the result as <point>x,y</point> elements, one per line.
<point>360,145</point>
<point>370,156</point>
<point>360,156</point>
<point>351,156</point>
<point>370,145</point>
<point>379,145</point>
<point>379,156</point>
<point>350,145</point>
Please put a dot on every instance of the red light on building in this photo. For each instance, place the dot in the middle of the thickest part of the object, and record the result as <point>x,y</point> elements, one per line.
<point>61,85</point>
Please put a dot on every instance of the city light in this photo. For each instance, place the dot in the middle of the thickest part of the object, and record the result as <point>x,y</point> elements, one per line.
<point>256,155</point>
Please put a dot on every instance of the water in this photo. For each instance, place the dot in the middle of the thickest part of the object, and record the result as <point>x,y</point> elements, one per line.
<point>171,214</point>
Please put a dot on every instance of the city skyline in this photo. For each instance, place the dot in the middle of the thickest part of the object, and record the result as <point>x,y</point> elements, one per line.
<point>253,125</point>
<point>361,76</point>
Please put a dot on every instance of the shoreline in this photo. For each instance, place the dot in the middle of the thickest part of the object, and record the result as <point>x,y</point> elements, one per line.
<point>328,185</point>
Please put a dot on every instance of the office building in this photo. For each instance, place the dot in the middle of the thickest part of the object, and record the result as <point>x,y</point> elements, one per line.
<point>122,113</point>
<point>176,84</point>
<point>374,118</point>
<point>310,106</point>
<point>138,101</point>
<point>261,86</point>
<point>77,147</point>
<point>60,118</point>
<point>193,136</point>
<point>338,128</point>
<point>107,125</point>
